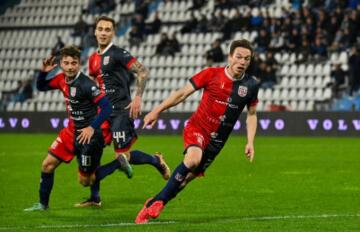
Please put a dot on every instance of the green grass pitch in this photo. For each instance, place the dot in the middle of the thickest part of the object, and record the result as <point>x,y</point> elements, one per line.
<point>294,184</point>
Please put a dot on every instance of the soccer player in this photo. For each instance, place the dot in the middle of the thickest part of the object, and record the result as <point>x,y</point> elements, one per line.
<point>113,68</point>
<point>226,91</point>
<point>83,136</point>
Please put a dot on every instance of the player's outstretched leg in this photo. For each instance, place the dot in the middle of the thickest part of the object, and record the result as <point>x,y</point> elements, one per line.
<point>125,165</point>
<point>46,184</point>
<point>153,207</point>
<point>157,160</point>
<point>121,163</point>
<point>94,199</point>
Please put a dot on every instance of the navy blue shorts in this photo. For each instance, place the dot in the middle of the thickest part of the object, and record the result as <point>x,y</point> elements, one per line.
<point>123,132</point>
<point>89,155</point>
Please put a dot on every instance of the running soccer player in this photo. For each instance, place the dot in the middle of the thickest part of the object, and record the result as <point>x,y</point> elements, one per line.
<point>113,68</point>
<point>83,136</point>
<point>227,90</point>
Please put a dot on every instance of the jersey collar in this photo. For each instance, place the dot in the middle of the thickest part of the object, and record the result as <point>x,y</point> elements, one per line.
<point>230,77</point>
<point>76,77</point>
<point>106,49</point>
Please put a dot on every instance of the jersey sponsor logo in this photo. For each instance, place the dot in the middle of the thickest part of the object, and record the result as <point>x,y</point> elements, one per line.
<point>242,91</point>
<point>179,177</point>
<point>106,60</point>
<point>95,91</point>
<point>222,118</point>
<point>73,91</point>
<point>213,135</point>
<point>199,138</point>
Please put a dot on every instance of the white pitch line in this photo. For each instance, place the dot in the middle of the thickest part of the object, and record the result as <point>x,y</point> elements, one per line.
<point>123,224</point>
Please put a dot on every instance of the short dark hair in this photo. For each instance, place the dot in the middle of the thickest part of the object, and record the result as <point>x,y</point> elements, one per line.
<point>70,51</point>
<point>105,18</point>
<point>243,43</point>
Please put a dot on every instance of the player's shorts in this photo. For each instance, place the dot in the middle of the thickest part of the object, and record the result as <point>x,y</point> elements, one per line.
<point>123,132</point>
<point>195,136</point>
<point>106,131</point>
<point>63,146</point>
<point>89,155</point>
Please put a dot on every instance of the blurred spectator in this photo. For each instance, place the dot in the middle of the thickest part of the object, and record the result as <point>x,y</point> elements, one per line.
<point>276,43</point>
<point>202,25</point>
<point>155,26</point>
<point>215,54</point>
<point>101,6</point>
<point>142,8</point>
<point>135,36</point>
<point>268,76</point>
<point>223,4</point>
<point>190,25</point>
<point>23,92</point>
<point>174,44</point>
<point>88,40</point>
<point>262,41</point>
<point>167,46</point>
<point>340,82</point>
<point>80,27</point>
<point>139,22</point>
<point>319,49</point>
<point>217,22</point>
<point>354,70</point>
<point>197,4</point>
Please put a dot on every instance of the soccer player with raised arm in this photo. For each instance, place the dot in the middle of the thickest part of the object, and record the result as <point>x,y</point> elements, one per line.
<point>83,136</point>
<point>113,68</point>
<point>226,91</point>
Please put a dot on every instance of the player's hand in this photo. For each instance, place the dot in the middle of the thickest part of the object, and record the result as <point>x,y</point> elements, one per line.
<point>249,151</point>
<point>150,119</point>
<point>48,64</point>
<point>85,135</point>
<point>135,107</point>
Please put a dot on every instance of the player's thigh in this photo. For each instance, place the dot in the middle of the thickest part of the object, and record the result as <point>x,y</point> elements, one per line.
<point>123,133</point>
<point>89,155</point>
<point>63,146</point>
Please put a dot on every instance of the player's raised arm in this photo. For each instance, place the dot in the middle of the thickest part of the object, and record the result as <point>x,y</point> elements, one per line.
<point>141,77</point>
<point>251,124</point>
<point>175,98</point>
<point>48,65</point>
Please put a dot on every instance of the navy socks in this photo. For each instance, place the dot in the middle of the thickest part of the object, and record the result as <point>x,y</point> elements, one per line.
<point>46,184</point>
<point>106,169</point>
<point>172,187</point>
<point>139,157</point>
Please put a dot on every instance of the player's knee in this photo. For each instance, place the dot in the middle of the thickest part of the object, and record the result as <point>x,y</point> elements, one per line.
<point>85,181</point>
<point>127,155</point>
<point>48,166</point>
<point>192,161</point>
<point>192,158</point>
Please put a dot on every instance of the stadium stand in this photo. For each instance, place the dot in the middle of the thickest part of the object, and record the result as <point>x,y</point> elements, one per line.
<point>29,31</point>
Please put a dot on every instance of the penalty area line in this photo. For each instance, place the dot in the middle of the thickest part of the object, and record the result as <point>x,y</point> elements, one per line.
<point>229,220</point>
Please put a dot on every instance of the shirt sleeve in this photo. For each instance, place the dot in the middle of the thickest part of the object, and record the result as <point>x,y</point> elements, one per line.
<point>124,58</point>
<point>201,79</point>
<point>254,96</point>
<point>45,82</point>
